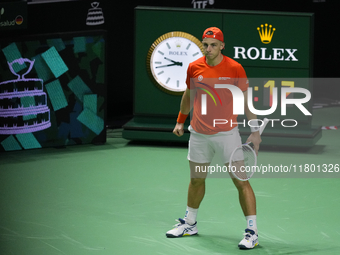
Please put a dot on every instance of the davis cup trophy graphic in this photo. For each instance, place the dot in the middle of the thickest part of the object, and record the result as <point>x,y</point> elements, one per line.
<point>23,103</point>
<point>95,15</point>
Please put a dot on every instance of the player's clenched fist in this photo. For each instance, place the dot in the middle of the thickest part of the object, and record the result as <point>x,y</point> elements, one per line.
<point>179,129</point>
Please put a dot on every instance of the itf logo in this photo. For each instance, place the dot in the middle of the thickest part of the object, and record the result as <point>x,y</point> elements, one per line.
<point>201,4</point>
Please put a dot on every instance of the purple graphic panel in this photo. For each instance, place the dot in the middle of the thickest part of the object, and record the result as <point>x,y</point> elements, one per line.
<point>13,113</point>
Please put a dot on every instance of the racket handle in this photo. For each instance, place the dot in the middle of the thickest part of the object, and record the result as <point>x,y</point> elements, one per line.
<point>265,122</point>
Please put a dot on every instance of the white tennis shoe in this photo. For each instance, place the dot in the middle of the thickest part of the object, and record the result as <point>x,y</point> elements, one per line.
<point>249,241</point>
<point>182,229</point>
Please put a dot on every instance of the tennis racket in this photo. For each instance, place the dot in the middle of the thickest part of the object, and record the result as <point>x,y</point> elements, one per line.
<point>243,160</point>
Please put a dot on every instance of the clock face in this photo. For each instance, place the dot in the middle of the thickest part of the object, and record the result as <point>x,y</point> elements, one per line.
<point>170,56</point>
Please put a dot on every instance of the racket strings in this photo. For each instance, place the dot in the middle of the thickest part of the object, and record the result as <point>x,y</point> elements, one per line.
<point>243,162</point>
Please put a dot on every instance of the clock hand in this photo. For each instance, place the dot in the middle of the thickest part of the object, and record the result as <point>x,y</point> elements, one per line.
<point>174,64</point>
<point>170,59</point>
<point>178,63</point>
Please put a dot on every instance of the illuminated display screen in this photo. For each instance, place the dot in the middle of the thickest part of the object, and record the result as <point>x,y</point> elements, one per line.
<point>52,90</point>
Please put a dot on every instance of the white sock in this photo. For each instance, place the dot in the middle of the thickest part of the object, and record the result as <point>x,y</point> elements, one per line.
<point>190,215</point>
<point>251,222</point>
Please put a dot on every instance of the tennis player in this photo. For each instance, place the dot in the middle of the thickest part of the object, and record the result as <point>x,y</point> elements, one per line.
<point>207,139</point>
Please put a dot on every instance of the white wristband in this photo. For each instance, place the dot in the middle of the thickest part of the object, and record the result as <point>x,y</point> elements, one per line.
<point>254,125</point>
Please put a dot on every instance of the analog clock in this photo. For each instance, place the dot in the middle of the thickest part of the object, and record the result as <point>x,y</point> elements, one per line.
<point>168,59</point>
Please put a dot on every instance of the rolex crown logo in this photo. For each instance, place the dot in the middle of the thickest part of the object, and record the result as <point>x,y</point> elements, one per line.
<point>266,34</point>
<point>178,44</point>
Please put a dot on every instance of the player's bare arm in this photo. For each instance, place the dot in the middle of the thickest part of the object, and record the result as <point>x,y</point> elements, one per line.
<point>185,109</point>
<point>254,137</point>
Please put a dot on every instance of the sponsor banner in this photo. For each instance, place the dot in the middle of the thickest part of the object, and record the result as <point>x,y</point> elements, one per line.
<point>268,40</point>
<point>13,15</point>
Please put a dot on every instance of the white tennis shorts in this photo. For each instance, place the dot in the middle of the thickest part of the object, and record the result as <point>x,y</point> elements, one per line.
<point>202,148</point>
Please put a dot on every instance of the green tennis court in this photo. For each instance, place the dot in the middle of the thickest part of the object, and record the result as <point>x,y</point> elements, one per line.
<point>121,198</point>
